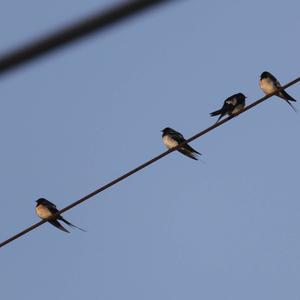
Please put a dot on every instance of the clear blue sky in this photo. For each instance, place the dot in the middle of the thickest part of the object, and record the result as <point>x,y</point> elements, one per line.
<point>228,228</point>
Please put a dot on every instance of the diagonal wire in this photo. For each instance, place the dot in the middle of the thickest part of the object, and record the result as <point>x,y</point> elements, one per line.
<point>144,165</point>
<point>99,21</point>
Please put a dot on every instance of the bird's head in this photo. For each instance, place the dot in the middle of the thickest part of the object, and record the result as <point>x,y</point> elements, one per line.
<point>166,130</point>
<point>41,201</point>
<point>241,96</point>
<point>265,74</point>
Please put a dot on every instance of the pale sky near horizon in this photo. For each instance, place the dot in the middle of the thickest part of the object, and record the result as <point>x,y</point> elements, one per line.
<point>224,228</point>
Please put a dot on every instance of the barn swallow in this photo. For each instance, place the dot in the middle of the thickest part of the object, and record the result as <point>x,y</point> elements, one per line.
<point>172,138</point>
<point>232,106</point>
<point>269,84</point>
<point>46,209</point>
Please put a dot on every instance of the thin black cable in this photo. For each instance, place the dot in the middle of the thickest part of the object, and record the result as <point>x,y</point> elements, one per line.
<point>144,165</point>
<point>96,22</point>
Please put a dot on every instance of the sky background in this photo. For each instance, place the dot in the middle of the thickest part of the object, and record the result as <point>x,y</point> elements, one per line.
<point>226,227</point>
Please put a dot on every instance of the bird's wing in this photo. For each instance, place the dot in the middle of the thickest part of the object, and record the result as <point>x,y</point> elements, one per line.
<point>58,225</point>
<point>274,80</point>
<point>184,151</point>
<point>48,203</point>
<point>52,209</point>
<point>277,83</point>
<point>177,136</point>
<point>189,148</point>
<point>230,102</point>
<point>70,224</point>
<point>283,94</point>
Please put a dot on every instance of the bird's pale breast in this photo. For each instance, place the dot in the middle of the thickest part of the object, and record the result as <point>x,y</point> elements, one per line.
<point>169,142</point>
<point>267,86</point>
<point>43,212</point>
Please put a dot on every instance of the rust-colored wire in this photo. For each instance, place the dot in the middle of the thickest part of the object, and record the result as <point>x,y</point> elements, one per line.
<point>144,165</point>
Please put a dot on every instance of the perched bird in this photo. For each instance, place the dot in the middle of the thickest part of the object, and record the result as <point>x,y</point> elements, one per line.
<point>172,138</point>
<point>269,84</point>
<point>232,105</point>
<point>46,209</point>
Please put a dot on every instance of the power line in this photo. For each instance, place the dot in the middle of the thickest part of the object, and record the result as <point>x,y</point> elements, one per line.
<point>149,162</point>
<point>99,21</point>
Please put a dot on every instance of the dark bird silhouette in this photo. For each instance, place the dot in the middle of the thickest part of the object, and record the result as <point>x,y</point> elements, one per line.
<point>172,138</point>
<point>232,105</point>
<point>46,210</point>
<point>269,84</point>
